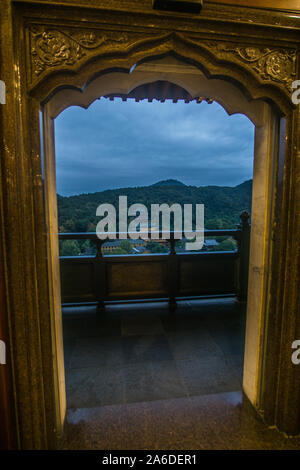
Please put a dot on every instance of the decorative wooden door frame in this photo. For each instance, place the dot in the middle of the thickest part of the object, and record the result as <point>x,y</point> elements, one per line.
<point>45,52</point>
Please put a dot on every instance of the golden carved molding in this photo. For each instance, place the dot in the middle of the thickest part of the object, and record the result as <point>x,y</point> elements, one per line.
<point>271,65</point>
<point>55,49</point>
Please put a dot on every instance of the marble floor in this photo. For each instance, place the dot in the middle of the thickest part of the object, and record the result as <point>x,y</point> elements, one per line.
<point>140,378</point>
<point>139,352</point>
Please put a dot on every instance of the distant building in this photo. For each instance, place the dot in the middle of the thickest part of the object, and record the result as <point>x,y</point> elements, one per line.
<point>110,246</point>
<point>210,243</point>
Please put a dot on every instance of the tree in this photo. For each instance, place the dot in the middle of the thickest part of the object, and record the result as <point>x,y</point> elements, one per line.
<point>155,247</point>
<point>69,225</point>
<point>88,248</point>
<point>223,205</point>
<point>69,248</point>
<point>214,224</point>
<point>81,225</point>
<point>119,251</point>
<point>227,245</point>
<point>126,246</point>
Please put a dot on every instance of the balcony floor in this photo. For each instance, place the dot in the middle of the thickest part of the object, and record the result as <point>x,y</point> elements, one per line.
<point>140,378</point>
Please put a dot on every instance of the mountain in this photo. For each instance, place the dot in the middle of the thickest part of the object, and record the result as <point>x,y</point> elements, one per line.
<point>168,183</point>
<point>223,204</point>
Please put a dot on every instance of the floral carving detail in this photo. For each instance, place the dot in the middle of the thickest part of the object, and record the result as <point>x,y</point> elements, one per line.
<point>52,48</point>
<point>270,64</point>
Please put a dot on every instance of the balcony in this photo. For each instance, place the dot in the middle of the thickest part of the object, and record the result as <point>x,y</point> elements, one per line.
<point>163,374</point>
<point>103,279</point>
<point>142,378</point>
<point>143,330</point>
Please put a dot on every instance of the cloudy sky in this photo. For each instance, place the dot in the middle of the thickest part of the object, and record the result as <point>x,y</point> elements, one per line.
<point>119,144</point>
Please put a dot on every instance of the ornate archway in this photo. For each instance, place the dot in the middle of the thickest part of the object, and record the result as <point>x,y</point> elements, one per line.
<point>59,62</point>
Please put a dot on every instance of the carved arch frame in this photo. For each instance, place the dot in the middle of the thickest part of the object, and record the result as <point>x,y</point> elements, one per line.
<point>52,54</point>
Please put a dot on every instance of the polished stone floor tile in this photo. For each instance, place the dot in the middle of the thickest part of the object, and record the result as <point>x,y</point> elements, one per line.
<point>153,381</point>
<point>184,321</point>
<point>108,427</point>
<point>236,362</point>
<point>94,352</point>
<point>170,424</point>
<point>69,345</point>
<point>196,344</point>
<point>208,375</point>
<point>231,342</point>
<point>221,421</point>
<point>134,325</point>
<point>145,348</point>
<point>90,325</point>
<point>191,342</point>
<point>140,378</point>
<point>90,387</point>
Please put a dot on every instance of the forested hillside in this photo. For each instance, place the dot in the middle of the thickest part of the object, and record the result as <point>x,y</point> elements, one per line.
<point>223,204</point>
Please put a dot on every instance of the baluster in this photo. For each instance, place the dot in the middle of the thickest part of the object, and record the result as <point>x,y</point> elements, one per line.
<point>99,276</point>
<point>172,273</point>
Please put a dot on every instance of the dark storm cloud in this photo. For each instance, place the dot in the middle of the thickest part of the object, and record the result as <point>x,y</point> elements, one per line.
<point>117,144</point>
